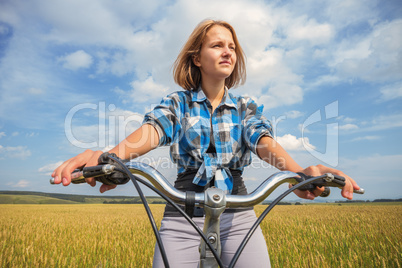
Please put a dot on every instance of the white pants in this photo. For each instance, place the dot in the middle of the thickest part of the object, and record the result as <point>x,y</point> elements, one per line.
<point>181,241</point>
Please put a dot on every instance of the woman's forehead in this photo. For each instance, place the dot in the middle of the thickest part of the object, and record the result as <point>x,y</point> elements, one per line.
<point>218,32</point>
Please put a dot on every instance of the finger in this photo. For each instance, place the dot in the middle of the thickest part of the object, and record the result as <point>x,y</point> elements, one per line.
<point>318,191</point>
<point>347,190</point>
<point>350,184</point>
<point>74,163</point>
<point>57,173</point>
<point>304,194</point>
<point>93,161</point>
<point>67,170</point>
<point>106,187</point>
<point>312,171</point>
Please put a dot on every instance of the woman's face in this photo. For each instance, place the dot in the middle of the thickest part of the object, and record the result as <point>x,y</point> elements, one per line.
<point>217,57</point>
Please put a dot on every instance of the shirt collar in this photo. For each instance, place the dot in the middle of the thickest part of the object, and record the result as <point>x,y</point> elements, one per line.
<point>227,100</point>
<point>198,95</point>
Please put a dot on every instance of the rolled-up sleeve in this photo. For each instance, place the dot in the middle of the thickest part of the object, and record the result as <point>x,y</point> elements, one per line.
<point>165,119</point>
<point>255,125</point>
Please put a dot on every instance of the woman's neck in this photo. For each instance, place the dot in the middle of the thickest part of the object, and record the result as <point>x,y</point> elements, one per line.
<point>214,92</point>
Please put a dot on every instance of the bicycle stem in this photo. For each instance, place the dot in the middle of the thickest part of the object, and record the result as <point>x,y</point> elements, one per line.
<point>215,205</point>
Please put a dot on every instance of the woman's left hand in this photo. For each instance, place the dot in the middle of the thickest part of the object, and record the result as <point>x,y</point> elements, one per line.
<point>347,190</point>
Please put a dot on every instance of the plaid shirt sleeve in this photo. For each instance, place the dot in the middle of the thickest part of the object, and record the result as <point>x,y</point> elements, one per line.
<point>165,118</point>
<point>255,124</point>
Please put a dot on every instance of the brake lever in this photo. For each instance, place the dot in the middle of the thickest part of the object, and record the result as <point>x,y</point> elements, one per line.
<point>329,180</point>
<point>111,178</point>
<point>104,172</point>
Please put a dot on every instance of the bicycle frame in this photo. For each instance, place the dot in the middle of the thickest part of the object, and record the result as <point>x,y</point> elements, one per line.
<point>213,200</point>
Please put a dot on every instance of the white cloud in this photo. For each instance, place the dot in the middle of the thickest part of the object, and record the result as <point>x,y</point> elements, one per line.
<point>76,60</point>
<point>282,94</point>
<point>378,123</point>
<point>113,126</point>
<point>19,152</point>
<point>342,13</point>
<point>291,143</point>
<point>348,120</point>
<point>372,172</point>
<point>2,134</point>
<point>308,29</point>
<point>374,163</point>
<point>31,134</point>
<point>49,168</point>
<point>373,58</point>
<point>105,23</point>
<point>348,127</point>
<point>143,91</point>
<point>323,80</point>
<point>280,41</point>
<point>368,172</point>
<point>383,122</point>
<point>392,91</point>
<point>4,30</point>
<point>21,184</point>
<point>36,91</point>
<point>269,34</point>
<point>293,114</point>
<point>366,138</point>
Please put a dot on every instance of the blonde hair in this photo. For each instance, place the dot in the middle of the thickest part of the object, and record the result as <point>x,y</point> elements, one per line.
<point>187,75</point>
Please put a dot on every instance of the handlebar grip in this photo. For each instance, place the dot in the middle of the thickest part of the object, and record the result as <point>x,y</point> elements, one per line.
<point>78,176</point>
<point>360,191</point>
<point>89,172</point>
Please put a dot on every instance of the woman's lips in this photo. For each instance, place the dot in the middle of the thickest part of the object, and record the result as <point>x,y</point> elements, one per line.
<point>225,62</point>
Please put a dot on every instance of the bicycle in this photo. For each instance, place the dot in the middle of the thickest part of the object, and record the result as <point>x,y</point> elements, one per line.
<point>112,170</point>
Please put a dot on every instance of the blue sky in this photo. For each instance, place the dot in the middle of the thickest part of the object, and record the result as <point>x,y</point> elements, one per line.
<point>76,75</point>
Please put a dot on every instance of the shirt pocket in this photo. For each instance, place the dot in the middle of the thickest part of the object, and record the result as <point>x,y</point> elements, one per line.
<point>196,133</point>
<point>230,133</point>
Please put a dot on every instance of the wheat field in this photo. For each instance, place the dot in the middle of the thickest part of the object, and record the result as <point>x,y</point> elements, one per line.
<point>99,235</point>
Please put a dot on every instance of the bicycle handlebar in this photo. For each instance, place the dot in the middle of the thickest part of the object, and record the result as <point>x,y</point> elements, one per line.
<point>232,201</point>
<point>112,171</point>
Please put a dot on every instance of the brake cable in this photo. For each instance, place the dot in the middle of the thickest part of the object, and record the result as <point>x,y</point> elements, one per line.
<point>134,179</point>
<point>265,213</point>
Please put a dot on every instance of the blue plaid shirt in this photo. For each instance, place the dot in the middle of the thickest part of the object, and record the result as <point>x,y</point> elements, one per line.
<point>183,120</point>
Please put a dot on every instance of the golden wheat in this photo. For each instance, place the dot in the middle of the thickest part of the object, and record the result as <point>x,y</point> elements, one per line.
<point>120,235</point>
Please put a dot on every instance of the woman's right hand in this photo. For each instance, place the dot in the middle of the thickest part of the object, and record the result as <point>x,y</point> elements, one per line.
<point>89,158</point>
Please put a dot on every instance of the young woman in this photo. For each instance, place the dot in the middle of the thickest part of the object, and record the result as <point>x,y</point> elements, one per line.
<point>211,135</point>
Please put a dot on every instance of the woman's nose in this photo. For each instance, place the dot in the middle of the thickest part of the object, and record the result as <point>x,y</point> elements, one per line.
<point>227,52</point>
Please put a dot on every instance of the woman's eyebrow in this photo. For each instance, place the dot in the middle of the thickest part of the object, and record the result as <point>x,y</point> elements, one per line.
<point>219,41</point>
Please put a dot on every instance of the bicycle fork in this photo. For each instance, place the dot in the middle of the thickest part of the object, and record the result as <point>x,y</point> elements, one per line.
<point>215,204</point>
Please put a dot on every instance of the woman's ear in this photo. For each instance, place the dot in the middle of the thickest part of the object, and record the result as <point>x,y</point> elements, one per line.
<point>196,60</point>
